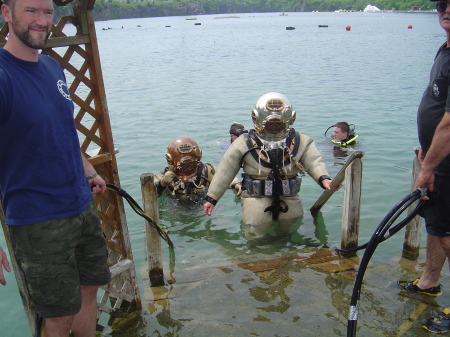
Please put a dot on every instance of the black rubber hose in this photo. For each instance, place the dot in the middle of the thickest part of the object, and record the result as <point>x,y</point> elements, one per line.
<point>393,215</point>
<point>377,237</point>
<point>135,206</point>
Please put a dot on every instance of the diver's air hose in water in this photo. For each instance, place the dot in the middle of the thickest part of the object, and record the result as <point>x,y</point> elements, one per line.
<point>135,206</point>
<point>393,214</point>
<point>381,234</point>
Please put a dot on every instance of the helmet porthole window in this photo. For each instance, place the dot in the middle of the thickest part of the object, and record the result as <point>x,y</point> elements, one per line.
<point>275,104</point>
<point>185,148</point>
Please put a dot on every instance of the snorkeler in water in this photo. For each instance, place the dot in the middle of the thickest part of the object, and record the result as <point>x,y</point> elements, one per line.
<point>343,134</point>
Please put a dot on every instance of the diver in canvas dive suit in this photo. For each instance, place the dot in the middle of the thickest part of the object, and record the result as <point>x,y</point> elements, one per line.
<point>185,173</point>
<point>274,157</point>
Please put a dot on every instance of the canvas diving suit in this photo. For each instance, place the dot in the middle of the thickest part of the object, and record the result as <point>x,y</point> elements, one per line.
<point>197,184</point>
<point>274,158</point>
<point>185,174</point>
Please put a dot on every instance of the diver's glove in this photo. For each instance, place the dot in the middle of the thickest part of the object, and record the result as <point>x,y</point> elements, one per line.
<point>167,178</point>
<point>239,190</point>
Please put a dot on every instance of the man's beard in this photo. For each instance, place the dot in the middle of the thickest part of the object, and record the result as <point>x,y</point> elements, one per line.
<point>26,38</point>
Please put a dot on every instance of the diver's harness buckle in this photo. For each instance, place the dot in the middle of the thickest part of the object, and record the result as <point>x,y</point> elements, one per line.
<point>264,188</point>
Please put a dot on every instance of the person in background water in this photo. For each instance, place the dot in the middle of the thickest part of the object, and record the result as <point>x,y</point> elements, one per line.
<point>343,139</point>
<point>236,130</point>
<point>272,156</point>
<point>45,180</point>
<point>343,135</point>
<point>433,122</point>
<point>185,173</point>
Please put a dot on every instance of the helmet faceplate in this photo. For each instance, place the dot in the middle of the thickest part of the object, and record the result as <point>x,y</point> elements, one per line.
<point>183,157</point>
<point>272,116</point>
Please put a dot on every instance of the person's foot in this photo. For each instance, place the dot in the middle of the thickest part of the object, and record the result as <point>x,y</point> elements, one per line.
<point>411,286</point>
<point>440,323</point>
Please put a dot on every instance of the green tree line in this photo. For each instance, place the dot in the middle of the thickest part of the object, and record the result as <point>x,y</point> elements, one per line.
<point>113,9</point>
<point>218,6</point>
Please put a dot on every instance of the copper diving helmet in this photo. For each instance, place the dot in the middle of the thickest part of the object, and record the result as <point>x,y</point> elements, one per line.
<point>183,157</point>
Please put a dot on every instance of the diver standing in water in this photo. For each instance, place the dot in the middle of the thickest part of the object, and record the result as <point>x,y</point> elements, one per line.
<point>273,157</point>
<point>185,173</point>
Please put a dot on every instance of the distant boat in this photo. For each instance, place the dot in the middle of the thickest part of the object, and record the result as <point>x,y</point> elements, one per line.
<point>371,9</point>
<point>191,18</point>
<point>321,26</point>
<point>283,14</point>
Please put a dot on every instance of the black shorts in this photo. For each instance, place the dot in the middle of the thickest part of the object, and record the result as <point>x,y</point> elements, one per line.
<point>436,211</point>
<point>57,256</point>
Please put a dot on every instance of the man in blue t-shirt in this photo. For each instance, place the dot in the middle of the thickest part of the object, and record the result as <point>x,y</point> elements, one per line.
<point>46,183</point>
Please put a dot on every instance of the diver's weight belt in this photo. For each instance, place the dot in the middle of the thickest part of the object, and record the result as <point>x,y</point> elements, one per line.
<point>265,188</point>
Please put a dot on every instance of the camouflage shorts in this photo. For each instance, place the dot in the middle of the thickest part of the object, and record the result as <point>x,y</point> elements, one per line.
<point>58,256</point>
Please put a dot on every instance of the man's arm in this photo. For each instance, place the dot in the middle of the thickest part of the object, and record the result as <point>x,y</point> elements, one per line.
<point>99,185</point>
<point>439,149</point>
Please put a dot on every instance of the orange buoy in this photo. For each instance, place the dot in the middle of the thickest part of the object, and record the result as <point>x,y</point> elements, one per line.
<point>409,26</point>
<point>348,27</point>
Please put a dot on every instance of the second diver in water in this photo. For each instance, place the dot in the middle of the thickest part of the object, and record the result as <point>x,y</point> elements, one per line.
<point>185,174</point>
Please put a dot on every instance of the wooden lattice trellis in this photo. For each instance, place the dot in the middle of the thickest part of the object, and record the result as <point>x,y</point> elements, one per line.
<point>78,55</point>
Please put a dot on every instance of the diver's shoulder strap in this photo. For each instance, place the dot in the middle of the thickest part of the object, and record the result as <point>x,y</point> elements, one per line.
<point>253,144</point>
<point>293,142</point>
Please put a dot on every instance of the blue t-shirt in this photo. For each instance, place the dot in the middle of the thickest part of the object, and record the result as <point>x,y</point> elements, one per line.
<point>41,171</point>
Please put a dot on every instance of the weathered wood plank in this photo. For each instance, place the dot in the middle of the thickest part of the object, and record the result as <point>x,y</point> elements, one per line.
<point>351,204</point>
<point>338,179</point>
<point>152,238</point>
<point>411,244</point>
<point>120,267</point>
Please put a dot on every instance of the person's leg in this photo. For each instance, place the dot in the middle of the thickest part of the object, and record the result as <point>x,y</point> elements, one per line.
<point>440,323</point>
<point>82,324</point>
<point>435,260</point>
<point>85,321</point>
<point>445,244</point>
<point>93,270</point>
<point>57,326</point>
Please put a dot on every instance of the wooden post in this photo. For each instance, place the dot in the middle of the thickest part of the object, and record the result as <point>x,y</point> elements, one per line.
<point>337,180</point>
<point>352,201</point>
<point>152,238</point>
<point>411,245</point>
